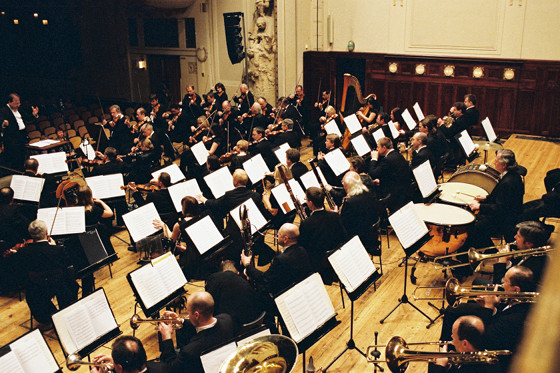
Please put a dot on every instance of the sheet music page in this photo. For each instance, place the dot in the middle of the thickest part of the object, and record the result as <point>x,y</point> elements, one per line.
<point>393,128</point>
<point>282,196</point>
<point>489,130</point>
<point>46,142</point>
<point>79,326</point>
<point>100,313</point>
<point>200,152</point>
<point>318,299</point>
<point>255,215</point>
<point>51,163</point>
<point>10,363</point>
<point>106,186</point>
<point>262,333</point>
<point>173,170</point>
<point>352,264</point>
<point>300,312</point>
<point>204,234</point>
<point>148,285</point>
<point>418,111</point>
<point>27,188</point>
<point>256,168</point>
<point>425,178</point>
<point>352,123</point>
<point>337,162</point>
<point>408,119</point>
<point>212,361</point>
<point>309,179</point>
<point>88,150</point>
<point>180,190</point>
<point>170,272</point>
<point>280,152</point>
<point>297,190</point>
<point>33,353</point>
<point>466,142</point>
<point>332,127</point>
<point>69,220</point>
<point>378,134</point>
<point>139,221</point>
<point>360,145</point>
<point>219,182</point>
<point>407,225</point>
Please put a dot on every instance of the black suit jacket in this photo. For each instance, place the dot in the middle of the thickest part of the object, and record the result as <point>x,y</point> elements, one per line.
<point>264,147</point>
<point>287,268</point>
<point>298,170</point>
<point>12,133</point>
<point>291,137</point>
<point>505,204</point>
<point>192,344</point>
<point>358,214</point>
<point>231,199</point>
<point>109,168</point>
<point>422,155</point>
<point>471,116</point>
<point>458,126</point>
<point>394,177</point>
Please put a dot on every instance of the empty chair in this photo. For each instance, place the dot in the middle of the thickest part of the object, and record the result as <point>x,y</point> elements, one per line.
<point>86,115</point>
<point>76,141</point>
<point>92,120</point>
<point>34,135</point>
<point>34,140</point>
<point>52,136</point>
<point>30,127</point>
<point>83,132</point>
<point>58,121</point>
<point>49,131</point>
<point>70,133</point>
<point>65,126</point>
<point>72,118</point>
<point>77,124</point>
<point>44,124</point>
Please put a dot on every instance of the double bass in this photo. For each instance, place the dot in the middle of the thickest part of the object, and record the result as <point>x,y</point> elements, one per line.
<point>352,81</point>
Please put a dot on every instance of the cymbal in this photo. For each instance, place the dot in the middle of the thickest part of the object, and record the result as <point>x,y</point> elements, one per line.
<point>268,354</point>
<point>488,146</point>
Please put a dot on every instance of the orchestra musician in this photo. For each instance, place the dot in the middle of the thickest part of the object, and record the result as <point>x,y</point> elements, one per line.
<point>241,154</point>
<point>156,114</point>
<point>245,99</point>
<point>127,356</point>
<point>121,138</point>
<point>267,110</point>
<point>367,114</point>
<point>159,197</point>
<point>228,121</point>
<point>319,141</point>
<point>459,124</point>
<point>262,146</point>
<point>287,134</point>
<point>436,141</point>
<point>471,112</point>
<point>302,106</point>
<point>420,151</point>
<point>192,105</point>
<point>220,95</point>
<point>332,142</point>
<point>178,127</point>
<point>209,103</point>
<point>324,101</point>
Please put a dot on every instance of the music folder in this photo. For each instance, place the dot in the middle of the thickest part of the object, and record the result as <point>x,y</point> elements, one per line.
<point>86,324</point>
<point>489,130</point>
<point>219,182</point>
<point>418,111</point>
<point>157,283</point>
<point>411,124</point>
<point>183,189</point>
<point>87,149</point>
<point>106,186</point>
<point>93,255</point>
<point>425,179</point>
<point>331,127</point>
<point>410,229</point>
<point>337,161</point>
<point>310,180</point>
<point>203,233</point>
<point>360,145</point>
<point>466,143</point>
<point>27,188</point>
<point>174,172</point>
<point>282,196</point>
<point>353,124</point>
<point>29,353</point>
<point>200,152</point>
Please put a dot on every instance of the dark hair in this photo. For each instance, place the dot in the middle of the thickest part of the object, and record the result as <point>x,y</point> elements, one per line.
<point>31,164</point>
<point>429,122</point>
<point>217,130</point>
<point>397,113</point>
<point>189,206</point>
<point>213,162</point>
<point>153,96</point>
<point>523,277</point>
<point>129,353</point>
<point>210,94</point>
<point>220,85</point>
<point>165,179</point>
<point>470,97</point>
<point>335,139</point>
<point>358,164</point>
<point>293,155</point>
<point>460,106</point>
<point>174,106</point>
<point>385,117</point>
<point>259,130</point>
<point>111,153</point>
<point>11,97</point>
<point>85,196</point>
<point>466,330</point>
<point>315,196</point>
<point>6,195</point>
<point>534,232</point>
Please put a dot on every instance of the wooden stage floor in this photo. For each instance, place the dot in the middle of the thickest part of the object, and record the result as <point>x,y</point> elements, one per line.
<point>536,155</point>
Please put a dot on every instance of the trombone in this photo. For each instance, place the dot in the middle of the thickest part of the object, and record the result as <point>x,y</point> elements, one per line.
<point>73,362</point>
<point>135,321</point>
<point>398,356</point>
<point>476,257</point>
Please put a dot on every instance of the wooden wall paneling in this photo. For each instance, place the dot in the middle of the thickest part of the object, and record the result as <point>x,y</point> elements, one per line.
<point>419,94</point>
<point>434,99</point>
<point>507,111</point>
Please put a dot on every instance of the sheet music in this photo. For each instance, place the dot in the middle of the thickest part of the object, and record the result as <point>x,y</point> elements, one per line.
<point>337,161</point>
<point>353,123</point>
<point>33,354</point>
<point>204,234</point>
<point>200,152</point>
<point>51,163</point>
<point>79,327</point>
<point>332,127</point>
<point>310,180</point>
<point>173,170</point>
<point>418,111</point>
<point>100,313</point>
<point>69,220</point>
<point>297,190</point>
<point>425,178</point>
<point>88,150</point>
<point>307,301</point>
<point>262,333</point>
<point>10,363</point>
<point>170,272</point>
<point>407,225</point>
<point>139,222</point>
<point>352,264</point>
<point>466,142</point>
<point>280,152</point>
<point>360,145</point>
<point>256,168</point>
<point>408,119</point>
<point>219,182</point>
<point>280,192</point>
<point>150,289</point>
<point>106,186</point>
<point>255,215</point>
<point>180,190</point>
<point>42,143</point>
<point>378,135</point>
<point>27,188</point>
<point>212,361</point>
<point>393,128</point>
<point>489,130</point>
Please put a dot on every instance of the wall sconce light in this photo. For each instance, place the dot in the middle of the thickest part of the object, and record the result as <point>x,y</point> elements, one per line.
<point>449,70</point>
<point>36,15</point>
<point>509,74</point>
<point>45,22</point>
<point>3,13</point>
<point>420,69</point>
<point>16,21</point>
<point>393,67</point>
<point>478,72</point>
<point>141,64</point>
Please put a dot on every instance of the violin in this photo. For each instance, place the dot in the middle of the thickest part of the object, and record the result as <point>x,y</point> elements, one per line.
<point>142,187</point>
<point>16,248</point>
<point>228,156</point>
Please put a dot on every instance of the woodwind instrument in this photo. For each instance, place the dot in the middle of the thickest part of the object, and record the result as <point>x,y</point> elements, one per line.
<point>330,200</point>
<point>299,208</point>
<point>246,231</point>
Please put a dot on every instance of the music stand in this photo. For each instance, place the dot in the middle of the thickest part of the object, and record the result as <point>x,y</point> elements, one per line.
<point>412,234</point>
<point>94,254</point>
<point>203,233</point>
<point>311,288</point>
<point>30,353</point>
<point>356,272</point>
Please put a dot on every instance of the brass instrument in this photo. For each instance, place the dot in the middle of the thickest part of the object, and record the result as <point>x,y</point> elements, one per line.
<point>454,293</point>
<point>448,120</point>
<point>73,362</point>
<point>476,257</point>
<point>398,356</point>
<point>135,320</point>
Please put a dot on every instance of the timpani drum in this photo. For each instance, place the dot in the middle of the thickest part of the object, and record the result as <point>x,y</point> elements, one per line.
<point>480,175</point>
<point>460,193</point>
<point>448,227</point>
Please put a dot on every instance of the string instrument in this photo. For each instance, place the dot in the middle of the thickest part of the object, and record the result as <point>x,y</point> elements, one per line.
<point>93,162</point>
<point>328,197</point>
<point>224,117</point>
<point>16,248</point>
<point>299,208</point>
<point>142,187</point>
<point>225,158</point>
<point>352,81</point>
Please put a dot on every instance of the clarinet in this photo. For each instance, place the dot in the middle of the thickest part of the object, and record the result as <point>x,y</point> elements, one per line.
<point>299,208</point>
<point>328,196</point>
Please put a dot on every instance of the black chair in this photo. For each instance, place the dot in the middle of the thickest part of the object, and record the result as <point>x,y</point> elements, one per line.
<point>384,216</point>
<point>374,247</point>
<point>438,169</point>
<point>252,324</point>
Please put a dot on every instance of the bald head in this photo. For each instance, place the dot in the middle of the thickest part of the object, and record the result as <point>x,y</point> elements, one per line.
<point>200,308</point>
<point>240,178</point>
<point>467,333</point>
<point>256,108</point>
<point>288,234</point>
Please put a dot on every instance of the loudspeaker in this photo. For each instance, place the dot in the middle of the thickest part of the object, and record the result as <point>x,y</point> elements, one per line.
<point>234,38</point>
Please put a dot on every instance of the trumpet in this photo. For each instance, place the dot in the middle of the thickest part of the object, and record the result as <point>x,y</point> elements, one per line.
<point>73,362</point>
<point>476,257</point>
<point>135,320</point>
<point>398,356</point>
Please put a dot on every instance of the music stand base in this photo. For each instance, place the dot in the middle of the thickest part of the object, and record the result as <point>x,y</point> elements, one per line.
<point>404,300</point>
<point>441,313</point>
